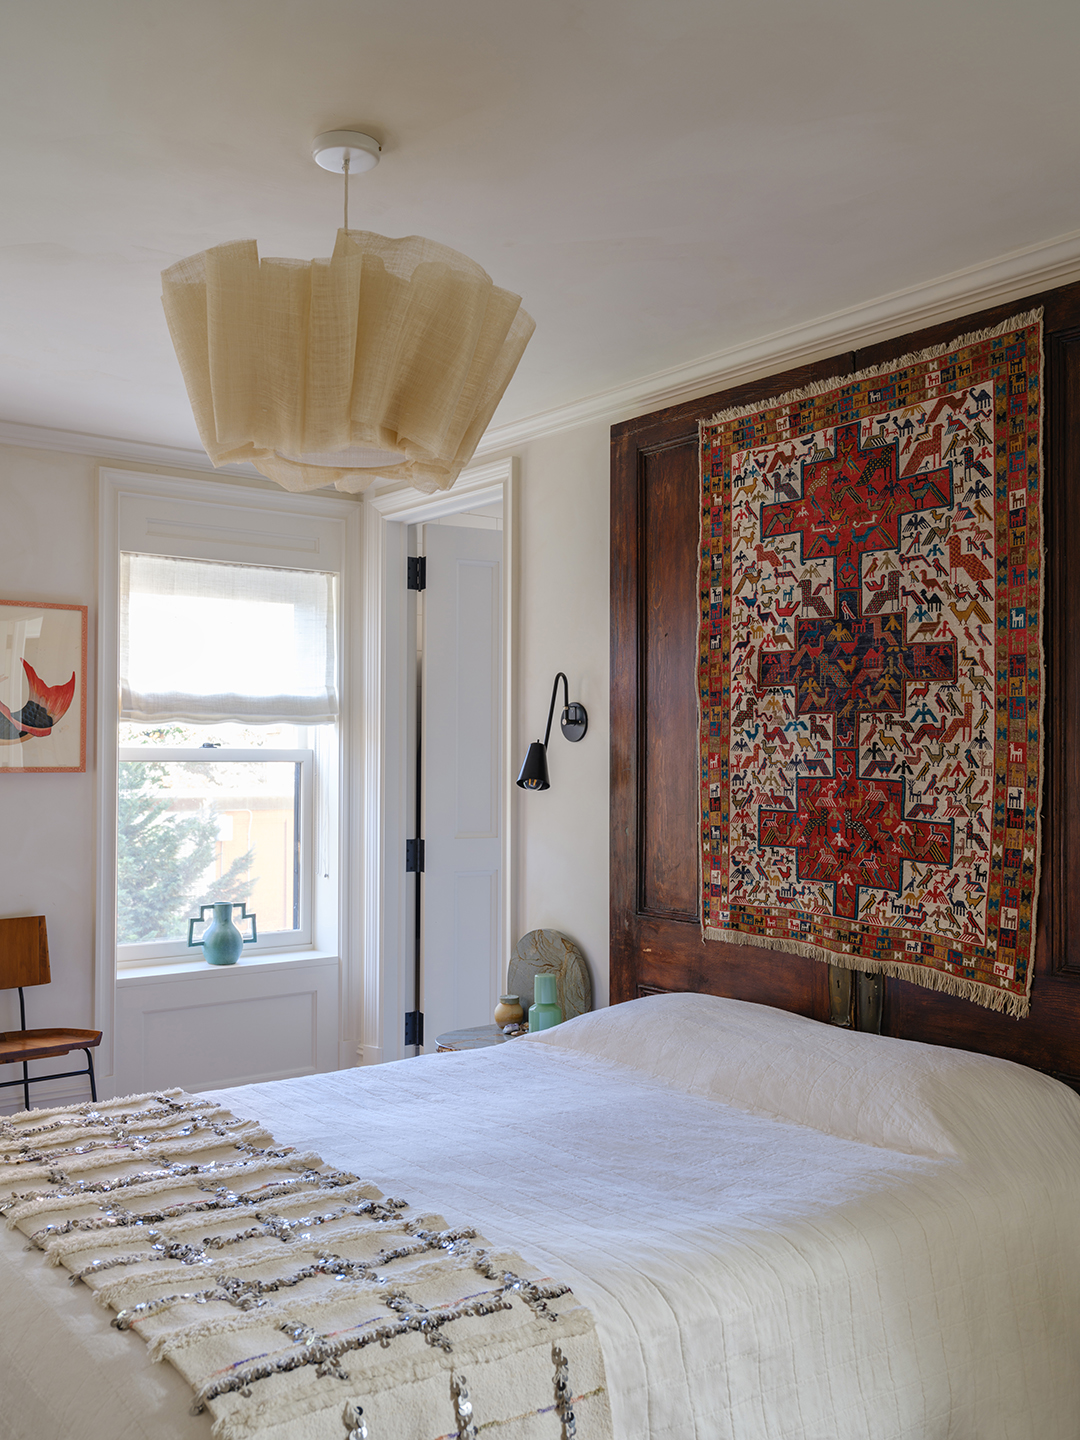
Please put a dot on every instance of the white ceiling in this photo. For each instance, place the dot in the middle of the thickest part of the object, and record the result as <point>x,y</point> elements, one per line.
<point>659,179</point>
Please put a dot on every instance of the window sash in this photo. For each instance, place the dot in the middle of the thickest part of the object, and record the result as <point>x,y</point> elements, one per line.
<point>166,952</point>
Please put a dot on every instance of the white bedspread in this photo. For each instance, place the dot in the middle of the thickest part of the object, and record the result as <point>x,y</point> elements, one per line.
<point>751,1277</point>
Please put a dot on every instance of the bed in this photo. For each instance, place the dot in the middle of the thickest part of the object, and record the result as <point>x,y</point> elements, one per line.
<point>781,1228</point>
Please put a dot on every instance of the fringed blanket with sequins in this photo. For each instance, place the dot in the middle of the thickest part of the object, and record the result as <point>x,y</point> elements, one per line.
<point>298,1301</point>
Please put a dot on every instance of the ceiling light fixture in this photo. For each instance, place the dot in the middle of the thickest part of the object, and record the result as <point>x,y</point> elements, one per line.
<point>388,359</point>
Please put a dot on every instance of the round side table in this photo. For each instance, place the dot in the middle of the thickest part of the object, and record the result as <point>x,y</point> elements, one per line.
<point>476,1037</point>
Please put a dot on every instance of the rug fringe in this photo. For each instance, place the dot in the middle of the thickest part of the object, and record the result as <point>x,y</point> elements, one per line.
<point>916,357</point>
<point>96,1106</point>
<point>1003,1001</point>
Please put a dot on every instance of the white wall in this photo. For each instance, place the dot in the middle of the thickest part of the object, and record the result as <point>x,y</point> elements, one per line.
<point>48,551</point>
<point>561,834</point>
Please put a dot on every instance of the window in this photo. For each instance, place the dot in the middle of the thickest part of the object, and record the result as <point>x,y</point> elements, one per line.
<point>202,822</point>
<point>224,671</point>
<point>226,720</point>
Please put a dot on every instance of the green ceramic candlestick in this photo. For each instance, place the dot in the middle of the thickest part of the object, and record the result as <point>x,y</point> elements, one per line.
<point>545,1012</point>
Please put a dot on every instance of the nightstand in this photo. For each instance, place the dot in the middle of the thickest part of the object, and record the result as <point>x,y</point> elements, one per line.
<point>476,1037</point>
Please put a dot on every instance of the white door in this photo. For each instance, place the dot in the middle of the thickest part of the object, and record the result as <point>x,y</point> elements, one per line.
<point>461,777</point>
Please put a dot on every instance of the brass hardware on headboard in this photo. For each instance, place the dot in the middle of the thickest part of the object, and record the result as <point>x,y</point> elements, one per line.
<point>841,999</point>
<point>855,999</point>
<point>869,995</point>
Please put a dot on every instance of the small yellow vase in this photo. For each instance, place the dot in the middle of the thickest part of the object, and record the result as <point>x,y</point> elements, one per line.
<point>509,1011</point>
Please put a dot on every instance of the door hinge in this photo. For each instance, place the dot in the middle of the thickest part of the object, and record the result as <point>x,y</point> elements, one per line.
<point>414,1027</point>
<point>416,578</point>
<point>414,857</point>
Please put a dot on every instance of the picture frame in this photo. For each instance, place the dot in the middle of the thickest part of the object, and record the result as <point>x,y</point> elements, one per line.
<point>43,683</point>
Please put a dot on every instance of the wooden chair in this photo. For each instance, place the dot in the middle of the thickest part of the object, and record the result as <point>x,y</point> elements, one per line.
<point>24,960</point>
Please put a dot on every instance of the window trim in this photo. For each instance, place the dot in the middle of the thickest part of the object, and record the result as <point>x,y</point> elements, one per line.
<point>337,925</point>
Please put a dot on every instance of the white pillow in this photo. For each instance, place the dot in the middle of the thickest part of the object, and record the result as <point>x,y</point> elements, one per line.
<point>922,1099</point>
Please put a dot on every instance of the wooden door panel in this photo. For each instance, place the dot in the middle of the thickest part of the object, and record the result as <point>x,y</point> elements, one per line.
<point>668,802</point>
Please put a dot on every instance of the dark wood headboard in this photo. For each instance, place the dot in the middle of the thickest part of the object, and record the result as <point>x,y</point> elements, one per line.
<point>656,942</point>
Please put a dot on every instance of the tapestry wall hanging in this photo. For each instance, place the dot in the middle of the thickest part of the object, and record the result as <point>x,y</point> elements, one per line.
<point>870,668</point>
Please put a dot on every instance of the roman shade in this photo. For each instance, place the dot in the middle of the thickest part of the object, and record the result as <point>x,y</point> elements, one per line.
<point>206,642</point>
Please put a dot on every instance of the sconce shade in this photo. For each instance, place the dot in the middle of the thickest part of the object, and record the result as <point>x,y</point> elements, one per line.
<point>386,360</point>
<point>574,722</point>
<point>534,773</point>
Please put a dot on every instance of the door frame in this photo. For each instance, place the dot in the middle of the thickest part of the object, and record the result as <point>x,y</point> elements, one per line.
<point>381,827</point>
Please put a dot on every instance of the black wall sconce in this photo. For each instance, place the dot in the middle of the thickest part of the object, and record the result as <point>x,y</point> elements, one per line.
<point>574,723</point>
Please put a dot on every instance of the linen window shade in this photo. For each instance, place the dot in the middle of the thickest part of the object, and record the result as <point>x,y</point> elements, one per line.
<point>204,642</point>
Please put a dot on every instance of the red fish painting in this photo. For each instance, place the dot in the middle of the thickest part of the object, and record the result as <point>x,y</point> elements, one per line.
<point>45,705</point>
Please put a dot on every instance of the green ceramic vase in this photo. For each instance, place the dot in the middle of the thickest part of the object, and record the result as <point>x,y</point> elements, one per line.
<point>222,941</point>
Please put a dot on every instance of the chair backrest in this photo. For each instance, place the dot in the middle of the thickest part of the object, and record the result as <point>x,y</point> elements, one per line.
<point>24,952</point>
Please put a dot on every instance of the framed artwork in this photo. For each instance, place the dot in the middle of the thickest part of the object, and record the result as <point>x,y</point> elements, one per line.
<point>42,687</point>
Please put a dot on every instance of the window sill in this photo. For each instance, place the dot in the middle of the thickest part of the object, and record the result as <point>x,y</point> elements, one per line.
<point>187,969</point>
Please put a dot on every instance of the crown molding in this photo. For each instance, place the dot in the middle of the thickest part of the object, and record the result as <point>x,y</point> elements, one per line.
<point>1008,277</point>
<point>480,484</point>
<point>109,447</point>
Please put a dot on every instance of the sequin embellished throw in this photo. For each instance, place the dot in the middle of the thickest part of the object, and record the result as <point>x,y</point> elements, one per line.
<point>870,672</point>
<point>298,1301</point>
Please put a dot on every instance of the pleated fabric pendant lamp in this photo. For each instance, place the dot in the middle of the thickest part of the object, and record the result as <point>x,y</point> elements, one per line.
<point>386,360</point>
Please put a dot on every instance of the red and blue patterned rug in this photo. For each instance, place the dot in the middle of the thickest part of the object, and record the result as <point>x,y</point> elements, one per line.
<point>870,669</point>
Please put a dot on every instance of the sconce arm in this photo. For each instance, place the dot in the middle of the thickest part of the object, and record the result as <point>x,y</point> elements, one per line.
<point>551,707</point>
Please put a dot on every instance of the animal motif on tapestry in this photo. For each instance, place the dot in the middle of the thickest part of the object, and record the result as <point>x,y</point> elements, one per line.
<point>870,669</point>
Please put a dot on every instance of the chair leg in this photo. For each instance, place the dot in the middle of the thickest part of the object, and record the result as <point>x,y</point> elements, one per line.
<point>90,1067</point>
<point>26,1084</point>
